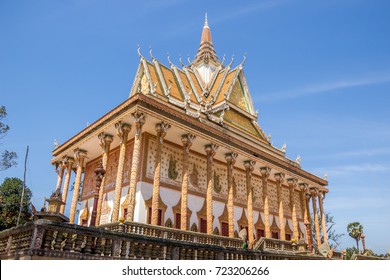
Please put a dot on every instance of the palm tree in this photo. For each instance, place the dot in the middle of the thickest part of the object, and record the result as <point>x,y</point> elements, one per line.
<point>355,230</point>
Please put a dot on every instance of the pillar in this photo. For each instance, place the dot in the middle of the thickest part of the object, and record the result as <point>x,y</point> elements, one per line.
<point>187,140</point>
<point>122,131</point>
<point>305,196</point>
<point>139,120</point>
<point>210,150</point>
<point>313,192</point>
<point>265,172</point>
<point>279,177</point>
<point>292,183</point>
<point>79,156</point>
<point>105,143</point>
<point>161,129</point>
<point>99,172</point>
<point>60,174</point>
<point>321,197</point>
<point>69,162</point>
<point>249,167</point>
<point>230,161</point>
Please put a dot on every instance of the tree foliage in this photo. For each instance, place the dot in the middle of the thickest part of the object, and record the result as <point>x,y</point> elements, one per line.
<point>355,230</point>
<point>7,158</point>
<point>10,196</point>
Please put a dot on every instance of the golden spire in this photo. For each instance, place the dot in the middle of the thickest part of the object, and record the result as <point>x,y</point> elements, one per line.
<point>206,50</point>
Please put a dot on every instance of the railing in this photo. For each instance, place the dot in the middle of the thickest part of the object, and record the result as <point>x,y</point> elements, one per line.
<point>45,239</point>
<point>173,234</point>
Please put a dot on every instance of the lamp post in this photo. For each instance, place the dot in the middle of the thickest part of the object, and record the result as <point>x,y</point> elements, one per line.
<point>99,171</point>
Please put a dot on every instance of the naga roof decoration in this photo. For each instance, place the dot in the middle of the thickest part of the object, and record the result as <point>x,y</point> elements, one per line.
<point>204,88</point>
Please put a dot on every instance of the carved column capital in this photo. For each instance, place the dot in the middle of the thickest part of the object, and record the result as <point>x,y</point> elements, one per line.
<point>105,140</point>
<point>322,194</point>
<point>279,177</point>
<point>68,161</point>
<point>231,158</point>
<point>249,165</point>
<point>211,149</point>
<point>303,187</point>
<point>122,131</point>
<point>313,191</point>
<point>79,155</point>
<point>161,129</point>
<point>292,182</point>
<point>265,172</point>
<point>139,119</point>
<point>187,140</point>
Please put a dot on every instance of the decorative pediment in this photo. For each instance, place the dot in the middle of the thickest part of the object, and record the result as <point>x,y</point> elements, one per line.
<point>202,213</point>
<point>287,228</point>
<point>177,209</point>
<point>161,204</point>
<point>106,211</point>
<point>260,224</point>
<point>224,218</point>
<point>84,217</point>
<point>274,227</point>
<point>243,221</point>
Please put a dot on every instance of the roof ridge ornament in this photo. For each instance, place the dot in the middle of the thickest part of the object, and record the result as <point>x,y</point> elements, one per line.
<point>169,60</point>
<point>243,61</point>
<point>139,51</point>
<point>223,59</point>
<point>231,62</point>
<point>181,61</point>
<point>151,54</point>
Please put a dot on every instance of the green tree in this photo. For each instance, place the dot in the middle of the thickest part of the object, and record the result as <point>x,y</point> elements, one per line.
<point>349,252</point>
<point>7,158</point>
<point>10,196</point>
<point>355,230</point>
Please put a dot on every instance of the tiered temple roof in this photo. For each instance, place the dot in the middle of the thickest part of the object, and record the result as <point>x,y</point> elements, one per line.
<point>205,89</point>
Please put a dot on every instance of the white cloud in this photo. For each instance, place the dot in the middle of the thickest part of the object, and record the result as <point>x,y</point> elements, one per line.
<point>323,87</point>
<point>359,153</point>
<point>353,168</point>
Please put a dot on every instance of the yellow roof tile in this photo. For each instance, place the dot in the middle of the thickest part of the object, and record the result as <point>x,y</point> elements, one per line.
<point>187,86</point>
<point>170,80</point>
<point>154,78</point>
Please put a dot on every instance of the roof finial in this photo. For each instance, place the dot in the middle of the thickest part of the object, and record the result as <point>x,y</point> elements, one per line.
<point>169,60</point>
<point>139,51</point>
<point>206,23</point>
<point>150,53</point>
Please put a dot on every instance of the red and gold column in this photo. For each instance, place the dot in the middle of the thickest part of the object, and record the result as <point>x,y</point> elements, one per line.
<point>139,120</point>
<point>105,143</point>
<point>187,140</point>
<point>249,167</point>
<point>60,174</point>
<point>292,183</point>
<point>279,177</point>
<point>161,129</point>
<point>321,197</point>
<point>79,156</point>
<point>265,172</point>
<point>122,130</point>
<point>305,196</point>
<point>313,192</point>
<point>210,152</point>
<point>230,161</point>
<point>69,162</point>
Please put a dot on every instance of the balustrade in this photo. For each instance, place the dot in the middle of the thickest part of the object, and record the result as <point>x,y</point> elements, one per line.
<point>45,239</point>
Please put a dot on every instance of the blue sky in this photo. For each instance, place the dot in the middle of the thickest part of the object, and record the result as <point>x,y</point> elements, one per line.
<point>318,72</point>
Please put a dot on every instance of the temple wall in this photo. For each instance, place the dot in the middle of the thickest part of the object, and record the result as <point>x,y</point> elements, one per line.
<point>170,188</point>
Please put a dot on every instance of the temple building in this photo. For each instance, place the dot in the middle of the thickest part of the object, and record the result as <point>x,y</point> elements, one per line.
<point>186,151</point>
